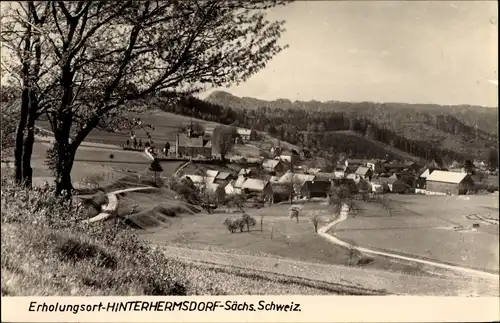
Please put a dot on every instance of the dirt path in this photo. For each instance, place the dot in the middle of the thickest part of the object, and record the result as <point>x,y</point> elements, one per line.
<point>112,204</point>
<point>467,271</point>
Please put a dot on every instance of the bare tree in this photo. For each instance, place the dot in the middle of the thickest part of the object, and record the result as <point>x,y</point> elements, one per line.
<point>107,54</point>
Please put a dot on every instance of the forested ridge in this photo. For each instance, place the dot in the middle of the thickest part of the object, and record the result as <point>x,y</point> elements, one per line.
<point>425,134</point>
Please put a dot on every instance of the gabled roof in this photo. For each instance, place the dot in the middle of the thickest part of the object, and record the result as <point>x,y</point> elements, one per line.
<point>223,175</point>
<point>270,163</point>
<point>297,178</point>
<point>427,173</point>
<point>362,170</point>
<point>446,177</point>
<point>239,182</point>
<point>254,184</point>
<point>212,173</point>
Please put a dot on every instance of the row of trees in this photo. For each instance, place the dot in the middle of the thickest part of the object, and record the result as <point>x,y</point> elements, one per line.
<point>81,64</point>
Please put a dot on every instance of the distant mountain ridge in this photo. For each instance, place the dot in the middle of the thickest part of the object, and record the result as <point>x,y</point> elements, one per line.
<point>485,118</point>
<point>463,129</point>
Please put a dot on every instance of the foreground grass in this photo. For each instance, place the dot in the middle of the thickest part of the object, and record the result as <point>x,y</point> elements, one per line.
<point>47,251</point>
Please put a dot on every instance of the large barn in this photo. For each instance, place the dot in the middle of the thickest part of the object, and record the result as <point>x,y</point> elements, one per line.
<point>443,182</point>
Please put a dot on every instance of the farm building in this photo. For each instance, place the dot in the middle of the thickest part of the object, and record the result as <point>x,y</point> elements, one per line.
<point>442,182</point>
<point>312,189</point>
<point>392,184</point>
<point>247,134</point>
<point>273,166</point>
<point>421,180</point>
<point>353,177</point>
<point>295,180</point>
<point>192,147</point>
<point>257,186</point>
<point>364,172</point>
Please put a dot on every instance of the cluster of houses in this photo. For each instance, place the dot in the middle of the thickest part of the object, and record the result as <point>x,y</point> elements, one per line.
<point>274,180</point>
<point>199,146</point>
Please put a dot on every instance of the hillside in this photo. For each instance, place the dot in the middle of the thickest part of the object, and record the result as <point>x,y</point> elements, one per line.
<point>463,131</point>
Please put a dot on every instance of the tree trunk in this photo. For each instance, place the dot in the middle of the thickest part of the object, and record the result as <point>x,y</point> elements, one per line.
<point>25,104</point>
<point>18,150</point>
<point>27,172</point>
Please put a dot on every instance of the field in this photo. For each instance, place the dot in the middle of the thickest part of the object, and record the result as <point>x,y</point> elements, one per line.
<point>165,126</point>
<point>281,237</point>
<point>430,227</point>
<point>95,162</point>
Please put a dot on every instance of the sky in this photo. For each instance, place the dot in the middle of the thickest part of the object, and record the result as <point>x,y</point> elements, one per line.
<point>440,52</point>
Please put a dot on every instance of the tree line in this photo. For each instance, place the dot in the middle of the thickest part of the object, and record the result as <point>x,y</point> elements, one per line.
<point>318,130</point>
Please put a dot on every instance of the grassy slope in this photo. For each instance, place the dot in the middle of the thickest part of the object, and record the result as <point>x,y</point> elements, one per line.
<point>45,253</point>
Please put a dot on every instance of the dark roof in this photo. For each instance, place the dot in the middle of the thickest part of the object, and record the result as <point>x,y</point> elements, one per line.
<point>223,175</point>
<point>317,186</point>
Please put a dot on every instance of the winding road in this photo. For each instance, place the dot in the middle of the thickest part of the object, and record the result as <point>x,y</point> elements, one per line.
<point>112,204</point>
<point>343,216</point>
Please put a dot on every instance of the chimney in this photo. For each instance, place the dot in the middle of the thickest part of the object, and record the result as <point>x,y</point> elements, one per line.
<point>177,145</point>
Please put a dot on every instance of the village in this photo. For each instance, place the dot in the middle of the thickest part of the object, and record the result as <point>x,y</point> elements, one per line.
<point>283,177</point>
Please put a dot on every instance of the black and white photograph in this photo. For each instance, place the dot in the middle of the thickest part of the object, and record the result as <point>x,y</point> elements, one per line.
<point>237,147</point>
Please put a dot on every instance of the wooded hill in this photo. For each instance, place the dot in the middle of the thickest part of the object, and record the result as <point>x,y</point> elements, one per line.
<point>424,130</point>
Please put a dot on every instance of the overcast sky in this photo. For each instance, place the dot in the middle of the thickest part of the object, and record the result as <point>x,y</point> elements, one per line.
<point>387,51</point>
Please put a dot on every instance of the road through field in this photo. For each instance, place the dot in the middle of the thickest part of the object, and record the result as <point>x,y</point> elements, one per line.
<point>323,232</point>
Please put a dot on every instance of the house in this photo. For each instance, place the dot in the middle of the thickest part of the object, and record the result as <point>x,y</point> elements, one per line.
<point>295,180</point>
<point>327,176</point>
<point>258,186</point>
<point>395,167</point>
<point>223,178</point>
<point>350,169</point>
<point>421,180</point>
<point>273,166</point>
<point>247,134</point>
<point>312,189</point>
<point>364,172</point>
<point>376,166</point>
<point>446,183</point>
<point>192,147</point>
